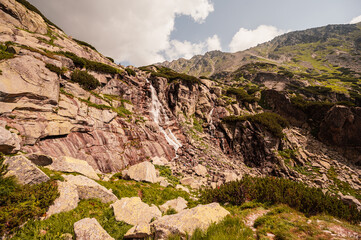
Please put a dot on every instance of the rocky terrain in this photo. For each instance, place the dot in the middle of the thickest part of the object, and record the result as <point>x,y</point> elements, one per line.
<point>71,117</point>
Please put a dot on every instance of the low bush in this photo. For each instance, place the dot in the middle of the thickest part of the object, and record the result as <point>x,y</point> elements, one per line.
<point>54,69</point>
<point>84,44</point>
<point>270,190</point>
<point>20,203</point>
<point>173,75</point>
<point>130,72</point>
<point>4,54</point>
<point>271,121</point>
<point>241,95</point>
<point>85,80</point>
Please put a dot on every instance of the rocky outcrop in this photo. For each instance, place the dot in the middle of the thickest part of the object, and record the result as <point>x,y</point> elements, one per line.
<point>9,142</point>
<point>90,229</point>
<point>88,189</point>
<point>133,211</point>
<point>177,204</point>
<point>69,164</point>
<point>188,220</point>
<point>67,200</point>
<point>144,171</point>
<point>24,170</point>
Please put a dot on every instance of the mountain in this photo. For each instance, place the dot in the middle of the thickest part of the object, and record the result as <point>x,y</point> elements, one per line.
<point>79,132</point>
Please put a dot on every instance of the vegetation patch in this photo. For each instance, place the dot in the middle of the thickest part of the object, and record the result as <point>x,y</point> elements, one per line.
<point>271,121</point>
<point>130,72</point>
<point>82,43</point>
<point>19,203</point>
<point>241,95</point>
<point>85,80</point>
<point>172,75</point>
<point>4,52</point>
<point>270,190</point>
<point>55,69</point>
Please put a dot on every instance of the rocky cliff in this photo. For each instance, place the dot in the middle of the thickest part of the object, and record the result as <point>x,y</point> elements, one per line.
<point>60,97</point>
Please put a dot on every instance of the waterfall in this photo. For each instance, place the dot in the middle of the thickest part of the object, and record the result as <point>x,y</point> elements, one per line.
<point>211,126</point>
<point>156,110</point>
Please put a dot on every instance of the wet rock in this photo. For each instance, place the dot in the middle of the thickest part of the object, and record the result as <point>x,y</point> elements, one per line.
<point>69,164</point>
<point>133,211</point>
<point>186,221</point>
<point>88,189</point>
<point>25,171</point>
<point>90,229</point>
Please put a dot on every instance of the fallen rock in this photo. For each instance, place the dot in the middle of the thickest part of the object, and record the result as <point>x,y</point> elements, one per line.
<point>69,164</point>
<point>144,171</point>
<point>88,188</point>
<point>180,187</point>
<point>231,176</point>
<point>187,181</point>
<point>188,220</point>
<point>161,161</point>
<point>133,211</point>
<point>140,231</point>
<point>9,142</point>
<point>40,159</point>
<point>25,171</point>
<point>90,229</point>
<point>68,199</point>
<point>177,204</point>
<point>200,170</point>
<point>164,183</point>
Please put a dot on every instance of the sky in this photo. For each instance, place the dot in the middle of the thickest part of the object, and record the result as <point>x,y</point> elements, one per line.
<point>142,32</point>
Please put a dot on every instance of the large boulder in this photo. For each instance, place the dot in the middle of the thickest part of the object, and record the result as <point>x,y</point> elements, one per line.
<point>9,142</point>
<point>177,204</point>
<point>90,229</point>
<point>68,199</point>
<point>188,220</point>
<point>144,171</point>
<point>133,211</point>
<point>88,188</point>
<point>25,171</point>
<point>141,231</point>
<point>200,170</point>
<point>69,164</point>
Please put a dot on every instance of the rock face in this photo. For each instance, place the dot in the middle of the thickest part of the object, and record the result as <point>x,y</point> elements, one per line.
<point>68,199</point>
<point>88,188</point>
<point>25,171</point>
<point>9,142</point>
<point>144,171</point>
<point>133,211</point>
<point>69,164</point>
<point>177,204</point>
<point>90,229</point>
<point>188,220</point>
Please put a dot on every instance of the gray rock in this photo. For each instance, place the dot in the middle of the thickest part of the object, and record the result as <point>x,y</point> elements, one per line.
<point>180,187</point>
<point>200,170</point>
<point>177,204</point>
<point>90,229</point>
<point>133,211</point>
<point>144,171</point>
<point>140,231</point>
<point>88,188</point>
<point>40,159</point>
<point>25,171</point>
<point>186,221</point>
<point>9,142</point>
<point>68,199</point>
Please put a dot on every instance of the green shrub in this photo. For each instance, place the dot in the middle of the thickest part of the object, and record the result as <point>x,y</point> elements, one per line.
<point>20,203</point>
<point>270,190</point>
<point>241,94</point>
<point>84,44</point>
<point>172,75</point>
<point>54,69</point>
<point>78,61</point>
<point>271,121</point>
<point>4,54</point>
<point>85,80</point>
<point>34,9</point>
<point>130,72</point>
<point>111,59</point>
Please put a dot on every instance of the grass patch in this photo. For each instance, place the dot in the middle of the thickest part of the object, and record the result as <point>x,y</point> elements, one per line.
<point>271,121</point>
<point>165,171</point>
<point>197,124</point>
<point>130,72</point>
<point>4,54</point>
<point>82,43</point>
<point>241,95</point>
<point>59,71</point>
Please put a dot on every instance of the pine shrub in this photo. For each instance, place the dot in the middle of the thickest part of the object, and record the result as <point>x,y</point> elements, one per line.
<point>85,80</point>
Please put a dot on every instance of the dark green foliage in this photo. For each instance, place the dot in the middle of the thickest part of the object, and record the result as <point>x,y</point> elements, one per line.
<point>54,68</point>
<point>165,171</point>
<point>34,9</point>
<point>170,211</point>
<point>4,52</point>
<point>84,44</point>
<point>241,94</point>
<point>318,90</point>
<point>111,59</point>
<point>130,72</point>
<point>309,106</point>
<point>270,190</point>
<point>86,80</point>
<point>19,203</point>
<point>286,73</point>
<point>174,76</point>
<point>90,65</point>
<point>271,121</point>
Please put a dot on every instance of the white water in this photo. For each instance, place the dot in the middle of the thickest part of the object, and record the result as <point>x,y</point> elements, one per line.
<point>156,110</point>
<point>211,126</point>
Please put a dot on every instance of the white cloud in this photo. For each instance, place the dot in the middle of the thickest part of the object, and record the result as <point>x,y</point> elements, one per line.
<point>187,49</point>
<point>134,31</point>
<point>356,20</point>
<point>245,38</point>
